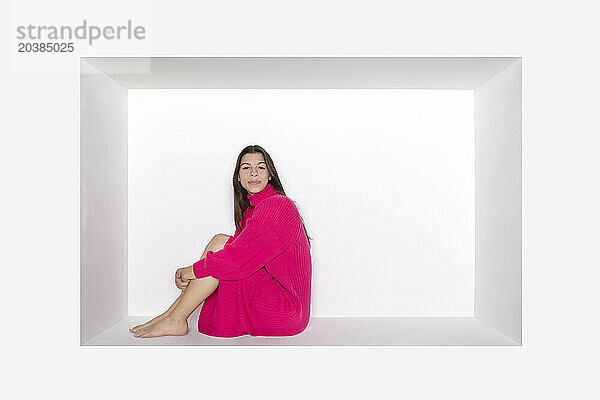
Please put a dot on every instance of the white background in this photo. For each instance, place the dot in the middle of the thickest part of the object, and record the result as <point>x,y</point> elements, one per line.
<point>39,209</point>
<point>384,179</point>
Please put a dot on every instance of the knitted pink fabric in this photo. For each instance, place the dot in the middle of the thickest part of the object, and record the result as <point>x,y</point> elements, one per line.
<point>264,273</point>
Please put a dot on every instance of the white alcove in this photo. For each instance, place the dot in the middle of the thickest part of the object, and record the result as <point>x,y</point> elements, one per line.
<point>407,172</point>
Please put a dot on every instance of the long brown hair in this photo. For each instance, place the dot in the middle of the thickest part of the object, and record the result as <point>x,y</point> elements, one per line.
<point>240,195</point>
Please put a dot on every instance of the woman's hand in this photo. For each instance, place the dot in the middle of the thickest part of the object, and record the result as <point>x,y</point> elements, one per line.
<point>183,277</point>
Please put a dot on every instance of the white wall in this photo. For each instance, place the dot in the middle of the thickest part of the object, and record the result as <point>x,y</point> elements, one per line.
<point>383,178</point>
<point>498,186</point>
<point>103,201</point>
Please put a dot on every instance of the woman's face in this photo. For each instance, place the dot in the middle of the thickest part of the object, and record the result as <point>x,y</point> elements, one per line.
<point>254,175</point>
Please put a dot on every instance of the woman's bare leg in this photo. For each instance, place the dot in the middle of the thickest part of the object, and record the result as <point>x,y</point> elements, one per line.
<point>215,244</point>
<point>175,323</point>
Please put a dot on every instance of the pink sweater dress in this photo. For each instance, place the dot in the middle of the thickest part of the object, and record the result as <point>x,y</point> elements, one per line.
<point>264,273</point>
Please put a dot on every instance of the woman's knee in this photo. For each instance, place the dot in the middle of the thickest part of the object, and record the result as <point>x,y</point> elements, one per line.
<point>217,242</point>
<point>220,237</point>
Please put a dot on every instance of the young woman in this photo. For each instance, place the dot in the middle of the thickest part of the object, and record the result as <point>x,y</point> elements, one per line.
<point>257,282</point>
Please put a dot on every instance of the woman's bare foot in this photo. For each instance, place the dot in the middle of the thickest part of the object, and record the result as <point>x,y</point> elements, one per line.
<point>164,327</point>
<point>147,324</point>
<point>160,317</point>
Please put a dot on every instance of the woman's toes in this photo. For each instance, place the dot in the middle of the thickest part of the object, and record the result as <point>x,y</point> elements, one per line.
<point>136,328</point>
<point>144,330</point>
<point>139,331</point>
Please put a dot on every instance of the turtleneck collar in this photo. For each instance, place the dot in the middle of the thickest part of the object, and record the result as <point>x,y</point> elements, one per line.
<point>268,191</point>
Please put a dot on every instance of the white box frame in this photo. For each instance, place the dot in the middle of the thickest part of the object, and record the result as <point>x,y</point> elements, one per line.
<point>496,83</point>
